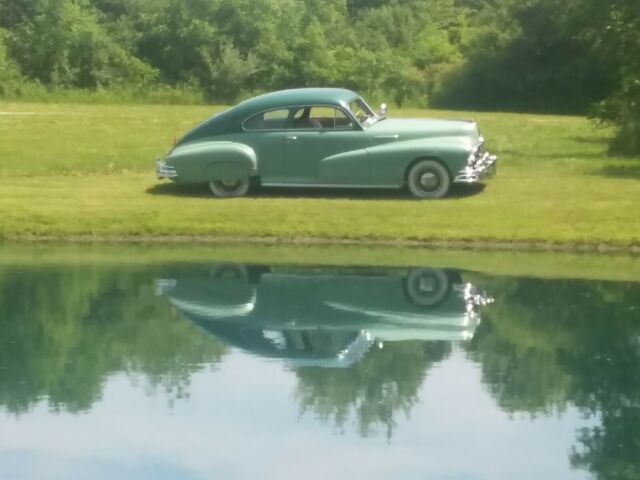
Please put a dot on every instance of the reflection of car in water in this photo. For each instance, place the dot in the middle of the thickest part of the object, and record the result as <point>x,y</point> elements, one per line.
<point>325,316</point>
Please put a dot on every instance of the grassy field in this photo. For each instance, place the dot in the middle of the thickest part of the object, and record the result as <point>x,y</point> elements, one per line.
<point>79,171</point>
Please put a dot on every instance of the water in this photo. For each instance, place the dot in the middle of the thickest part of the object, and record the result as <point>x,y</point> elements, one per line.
<point>194,371</point>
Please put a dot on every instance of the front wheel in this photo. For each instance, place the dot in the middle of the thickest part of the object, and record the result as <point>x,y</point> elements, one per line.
<point>428,179</point>
<point>235,188</point>
<point>427,287</point>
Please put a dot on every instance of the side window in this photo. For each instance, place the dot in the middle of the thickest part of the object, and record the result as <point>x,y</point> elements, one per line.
<point>321,118</point>
<point>271,120</point>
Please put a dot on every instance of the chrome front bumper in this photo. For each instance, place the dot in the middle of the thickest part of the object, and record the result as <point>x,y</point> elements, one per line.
<point>165,171</point>
<point>165,285</point>
<point>474,300</point>
<point>480,165</point>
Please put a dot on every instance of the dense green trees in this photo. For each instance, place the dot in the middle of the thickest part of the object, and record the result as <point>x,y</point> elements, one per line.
<point>230,48</point>
<point>9,74</point>
<point>573,56</point>
<point>527,56</point>
<point>612,29</point>
<point>61,43</point>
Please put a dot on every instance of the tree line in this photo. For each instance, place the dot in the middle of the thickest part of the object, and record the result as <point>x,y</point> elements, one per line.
<point>574,56</point>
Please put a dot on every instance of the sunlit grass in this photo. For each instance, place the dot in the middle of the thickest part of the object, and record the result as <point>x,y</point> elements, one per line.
<point>79,170</point>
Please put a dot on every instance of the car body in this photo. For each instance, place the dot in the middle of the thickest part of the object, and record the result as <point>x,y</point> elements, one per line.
<point>325,137</point>
<point>324,316</point>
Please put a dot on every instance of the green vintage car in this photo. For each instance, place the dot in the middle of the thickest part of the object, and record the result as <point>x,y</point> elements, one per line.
<point>325,137</point>
<point>324,316</point>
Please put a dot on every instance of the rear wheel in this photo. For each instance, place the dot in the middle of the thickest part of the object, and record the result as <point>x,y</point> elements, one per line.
<point>233,271</point>
<point>428,179</point>
<point>233,188</point>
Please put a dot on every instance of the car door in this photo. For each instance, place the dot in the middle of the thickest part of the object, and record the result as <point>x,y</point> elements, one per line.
<point>265,132</point>
<point>318,134</point>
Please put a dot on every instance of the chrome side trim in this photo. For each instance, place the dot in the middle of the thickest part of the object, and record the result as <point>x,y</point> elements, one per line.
<point>214,312</point>
<point>325,185</point>
<point>394,137</point>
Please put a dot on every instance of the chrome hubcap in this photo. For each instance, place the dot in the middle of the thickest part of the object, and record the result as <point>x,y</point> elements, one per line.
<point>429,180</point>
<point>427,284</point>
<point>229,185</point>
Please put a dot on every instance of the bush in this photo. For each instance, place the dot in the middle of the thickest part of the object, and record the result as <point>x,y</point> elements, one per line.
<point>623,109</point>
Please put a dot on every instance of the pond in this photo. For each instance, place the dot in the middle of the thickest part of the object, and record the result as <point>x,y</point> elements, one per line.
<point>232,369</point>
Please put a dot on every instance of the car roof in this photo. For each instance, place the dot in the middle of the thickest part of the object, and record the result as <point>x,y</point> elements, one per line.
<point>230,120</point>
<point>297,96</point>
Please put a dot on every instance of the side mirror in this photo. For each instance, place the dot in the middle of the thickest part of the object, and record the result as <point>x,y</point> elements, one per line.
<point>383,109</point>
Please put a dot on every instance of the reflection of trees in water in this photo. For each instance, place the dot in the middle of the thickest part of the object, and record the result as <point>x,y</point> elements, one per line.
<point>549,343</point>
<point>607,373</point>
<point>541,346</point>
<point>517,346</point>
<point>372,392</point>
<point>64,330</point>
<point>612,449</point>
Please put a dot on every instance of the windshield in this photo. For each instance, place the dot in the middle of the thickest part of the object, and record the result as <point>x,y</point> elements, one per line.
<point>362,112</point>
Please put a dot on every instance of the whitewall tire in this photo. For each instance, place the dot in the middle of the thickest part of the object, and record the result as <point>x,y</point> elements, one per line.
<point>428,179</point>
<point>224,189</point>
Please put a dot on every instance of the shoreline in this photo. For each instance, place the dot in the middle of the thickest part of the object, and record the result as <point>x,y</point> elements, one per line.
<point>92,252</point>
<point>520,246</point>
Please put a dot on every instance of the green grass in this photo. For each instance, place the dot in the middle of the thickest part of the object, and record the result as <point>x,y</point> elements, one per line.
<point>86,171</point>
<point>148,95</point>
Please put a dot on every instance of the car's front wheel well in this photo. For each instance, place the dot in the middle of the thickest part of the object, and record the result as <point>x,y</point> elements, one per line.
<point>420,159</point>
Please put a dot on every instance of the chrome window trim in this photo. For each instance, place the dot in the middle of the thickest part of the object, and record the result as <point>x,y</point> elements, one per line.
<point>250,117</point>
<point>368,106</point>
<point>357,126</point>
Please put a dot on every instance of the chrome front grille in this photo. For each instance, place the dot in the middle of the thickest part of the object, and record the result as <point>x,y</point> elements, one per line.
<point>480,164</point>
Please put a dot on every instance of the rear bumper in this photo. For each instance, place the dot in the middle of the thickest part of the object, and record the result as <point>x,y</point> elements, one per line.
<point>481,165</point>
<point>165,171</point>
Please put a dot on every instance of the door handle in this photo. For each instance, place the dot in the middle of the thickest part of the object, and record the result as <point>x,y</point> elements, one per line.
<point>291,137</point>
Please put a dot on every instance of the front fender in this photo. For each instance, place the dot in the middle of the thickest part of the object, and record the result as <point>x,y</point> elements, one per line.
<point>346,168</point>
<point>213,160</point>
<point>390,161</point>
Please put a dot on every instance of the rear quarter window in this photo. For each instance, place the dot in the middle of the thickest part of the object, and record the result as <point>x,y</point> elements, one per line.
<point>271,120</point>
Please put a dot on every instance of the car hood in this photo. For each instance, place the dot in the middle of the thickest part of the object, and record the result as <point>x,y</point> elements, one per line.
<point>426,127</point>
